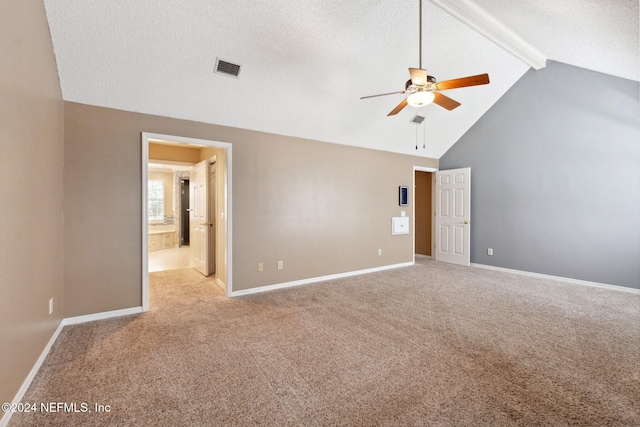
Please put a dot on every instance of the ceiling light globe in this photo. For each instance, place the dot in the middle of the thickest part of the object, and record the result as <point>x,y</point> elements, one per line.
<point>421,98</point>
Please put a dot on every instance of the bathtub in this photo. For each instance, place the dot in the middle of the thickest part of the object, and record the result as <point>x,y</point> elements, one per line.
<point>162,238</point>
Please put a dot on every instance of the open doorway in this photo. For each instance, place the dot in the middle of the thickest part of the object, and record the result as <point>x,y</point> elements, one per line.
<point>181,150</point>
<point>423,211</point>
<point>166,207</point>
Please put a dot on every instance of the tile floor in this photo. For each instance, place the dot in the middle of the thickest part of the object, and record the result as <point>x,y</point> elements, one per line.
<point>169,259</point>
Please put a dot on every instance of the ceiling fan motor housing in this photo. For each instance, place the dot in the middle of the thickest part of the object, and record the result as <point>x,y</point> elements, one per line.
<point>412,88</point>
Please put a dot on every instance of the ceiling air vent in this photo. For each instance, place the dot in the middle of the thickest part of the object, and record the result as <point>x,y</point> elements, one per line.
<point>227,68</point>
<point>417,119</point>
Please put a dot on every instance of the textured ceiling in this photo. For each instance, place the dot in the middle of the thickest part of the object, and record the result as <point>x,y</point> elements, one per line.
<point>305,64</point>
<point>601,35</point>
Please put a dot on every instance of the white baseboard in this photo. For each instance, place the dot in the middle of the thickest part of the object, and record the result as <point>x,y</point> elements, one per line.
<point>317,279</point>
<point>559,278</point>
<point>101,316</point>
<point>27,382</point>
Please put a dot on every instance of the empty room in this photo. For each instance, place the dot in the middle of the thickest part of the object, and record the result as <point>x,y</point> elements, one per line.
<point>395,213</point>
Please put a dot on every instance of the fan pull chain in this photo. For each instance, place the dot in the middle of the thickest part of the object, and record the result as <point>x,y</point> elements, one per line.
<point>416,137</point>
<point>424,140</point>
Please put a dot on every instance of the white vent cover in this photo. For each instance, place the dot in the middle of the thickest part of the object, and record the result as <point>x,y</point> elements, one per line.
<point>417,119</point>
<point>227,68</point>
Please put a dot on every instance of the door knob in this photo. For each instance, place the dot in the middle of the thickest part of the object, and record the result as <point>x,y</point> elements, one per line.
<point>466,221</point>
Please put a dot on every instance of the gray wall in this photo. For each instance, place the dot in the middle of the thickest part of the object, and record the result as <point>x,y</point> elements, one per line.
<point>556,177</point>
<point>31,123</point>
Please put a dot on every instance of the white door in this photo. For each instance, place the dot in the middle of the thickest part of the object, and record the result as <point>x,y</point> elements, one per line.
<point>199,220</point>
<point>213,211</point>
<point>453,228</point>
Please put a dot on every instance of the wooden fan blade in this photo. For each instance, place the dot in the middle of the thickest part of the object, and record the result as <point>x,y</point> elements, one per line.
<point>445,101</point>
<point>418,76</point>
<point>480,79</point>
<point>383,94</point>
<point>398,108</point>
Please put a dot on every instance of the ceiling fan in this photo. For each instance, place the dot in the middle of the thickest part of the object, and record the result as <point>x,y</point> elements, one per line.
<point>424,89</point>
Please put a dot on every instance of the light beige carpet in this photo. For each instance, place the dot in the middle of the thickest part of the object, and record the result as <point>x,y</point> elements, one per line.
<point>427,345</point>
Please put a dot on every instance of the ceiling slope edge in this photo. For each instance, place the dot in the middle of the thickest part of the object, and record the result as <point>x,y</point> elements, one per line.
<point>481,21</point>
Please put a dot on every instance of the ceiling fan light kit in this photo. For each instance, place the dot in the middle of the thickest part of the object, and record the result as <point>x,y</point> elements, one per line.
<point>424,89</point>
<point>420,98</point>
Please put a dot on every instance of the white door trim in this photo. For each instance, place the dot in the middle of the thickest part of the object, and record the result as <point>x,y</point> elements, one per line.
<point>413,178</point>
<point>146,137</point>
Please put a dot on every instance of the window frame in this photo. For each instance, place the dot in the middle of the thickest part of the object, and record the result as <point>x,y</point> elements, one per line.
<point>155,219</point>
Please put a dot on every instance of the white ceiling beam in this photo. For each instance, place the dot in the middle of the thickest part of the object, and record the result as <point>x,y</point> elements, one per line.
<point>473,16</point>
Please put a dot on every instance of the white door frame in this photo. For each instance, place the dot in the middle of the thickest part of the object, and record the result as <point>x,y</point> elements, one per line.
<point>146,137</point>
<point>421,169</point>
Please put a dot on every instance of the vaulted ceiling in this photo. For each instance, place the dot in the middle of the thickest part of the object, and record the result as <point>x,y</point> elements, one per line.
<point>305,64</point>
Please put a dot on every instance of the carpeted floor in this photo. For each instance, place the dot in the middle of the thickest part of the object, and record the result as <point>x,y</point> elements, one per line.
<point>428,345</point>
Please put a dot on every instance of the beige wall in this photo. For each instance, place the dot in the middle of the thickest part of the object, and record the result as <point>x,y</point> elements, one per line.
<point>321,208</point>
<point>31,165</point>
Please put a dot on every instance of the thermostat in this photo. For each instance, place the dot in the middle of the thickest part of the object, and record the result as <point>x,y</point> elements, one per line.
<point>404,196</point>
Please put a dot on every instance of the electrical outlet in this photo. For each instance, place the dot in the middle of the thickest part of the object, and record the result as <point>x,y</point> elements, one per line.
<point>379,252</point>
<point>280,265</point>
<point>260,266</point>
<point>489,251</point>
<point>51,306</point>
